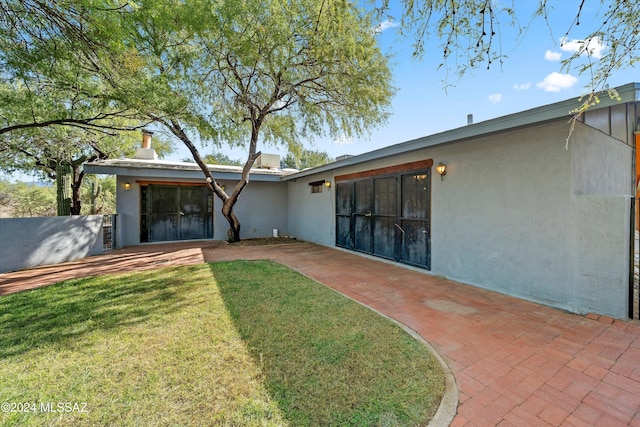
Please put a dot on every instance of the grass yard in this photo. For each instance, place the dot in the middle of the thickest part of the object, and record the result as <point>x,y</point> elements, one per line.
<point>239,343</point>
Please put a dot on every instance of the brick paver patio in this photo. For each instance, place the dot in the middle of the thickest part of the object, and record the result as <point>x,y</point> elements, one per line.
<point>515,362</point>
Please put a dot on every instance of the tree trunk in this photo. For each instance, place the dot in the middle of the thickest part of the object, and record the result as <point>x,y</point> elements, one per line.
<point>77,175</point>
<point>76,204</point>
<point>228,201</point>
<point>233,234</point>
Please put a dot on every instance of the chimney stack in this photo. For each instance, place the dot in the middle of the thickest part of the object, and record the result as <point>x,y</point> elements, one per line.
<point>146,138</point>
<point>469,119</point>
<point>146,152</point>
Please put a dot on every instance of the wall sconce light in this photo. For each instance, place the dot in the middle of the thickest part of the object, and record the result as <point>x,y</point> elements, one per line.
<point>327,184</point>
<point>442,170</point>
<point>127,186</point>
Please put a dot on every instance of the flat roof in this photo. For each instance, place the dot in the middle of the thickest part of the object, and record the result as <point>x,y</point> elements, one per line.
<point>178,170</point>
<point>559,110</point>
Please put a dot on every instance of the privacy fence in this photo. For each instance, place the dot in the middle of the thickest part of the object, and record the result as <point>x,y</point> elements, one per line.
<point>30,242</point>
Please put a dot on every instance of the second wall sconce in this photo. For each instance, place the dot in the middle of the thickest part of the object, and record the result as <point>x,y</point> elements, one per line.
<point>442,170</point>
<point>127,186</point>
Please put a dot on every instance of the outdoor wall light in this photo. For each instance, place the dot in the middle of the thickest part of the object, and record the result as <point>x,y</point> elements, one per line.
<point>127,186</point>
<point>327,184</point>
<point>442,170</point>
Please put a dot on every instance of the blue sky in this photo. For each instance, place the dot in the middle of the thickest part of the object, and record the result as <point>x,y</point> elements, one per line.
<point>531,76</point>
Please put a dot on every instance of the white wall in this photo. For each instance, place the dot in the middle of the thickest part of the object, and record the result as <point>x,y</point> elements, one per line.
<point>518,213</point>
<point>29,242</point>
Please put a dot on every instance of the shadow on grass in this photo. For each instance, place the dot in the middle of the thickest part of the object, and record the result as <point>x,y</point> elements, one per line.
<point>325,359</point>
<point>65,312</point>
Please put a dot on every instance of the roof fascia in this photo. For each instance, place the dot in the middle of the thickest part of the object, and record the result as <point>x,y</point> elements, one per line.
<point>559,110</point>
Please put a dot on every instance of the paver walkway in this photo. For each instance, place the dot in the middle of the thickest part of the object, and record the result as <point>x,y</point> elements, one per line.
<point>515,362</point>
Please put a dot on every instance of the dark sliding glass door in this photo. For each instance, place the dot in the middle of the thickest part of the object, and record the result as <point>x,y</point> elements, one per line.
<point>172,212</point>
<point>386,216</point>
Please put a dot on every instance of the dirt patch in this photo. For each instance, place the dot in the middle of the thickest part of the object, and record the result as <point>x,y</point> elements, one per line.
<point>260,241</point>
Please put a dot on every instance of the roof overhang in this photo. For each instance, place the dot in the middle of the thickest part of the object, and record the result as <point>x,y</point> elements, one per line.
<point>178,170</point>
<point>552,112</point>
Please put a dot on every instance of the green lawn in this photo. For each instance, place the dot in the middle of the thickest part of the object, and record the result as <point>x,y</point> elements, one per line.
<point>238,343</point>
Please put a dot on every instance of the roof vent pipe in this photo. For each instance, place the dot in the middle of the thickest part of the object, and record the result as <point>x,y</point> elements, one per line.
<point>469,119</point>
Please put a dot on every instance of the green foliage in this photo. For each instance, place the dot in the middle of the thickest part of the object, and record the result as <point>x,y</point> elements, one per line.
<point>49,149</point>
<point>303,159</point>
<point>284,69</point>
<point>22,200</point>
<point>269,72</point>
<point>62,63</point>
<point>470,33</point>
<point>40,149</point>
<point>300,68</point>
<point>98,195</point>
<point>218,158</point>
<point>227,71</point>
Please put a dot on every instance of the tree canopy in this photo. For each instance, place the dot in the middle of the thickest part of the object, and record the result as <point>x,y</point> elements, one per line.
<point>60,64</point>
<point>268,72</point>
<point>304,158</point>
<point>242,72</point>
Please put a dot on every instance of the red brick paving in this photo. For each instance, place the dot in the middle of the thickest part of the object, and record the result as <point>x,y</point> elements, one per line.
<point>516,363</point>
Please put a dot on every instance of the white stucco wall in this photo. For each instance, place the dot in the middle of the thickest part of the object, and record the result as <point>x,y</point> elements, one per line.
<point>518,213</point>
<point>29,242</point>
<point>261,207</point>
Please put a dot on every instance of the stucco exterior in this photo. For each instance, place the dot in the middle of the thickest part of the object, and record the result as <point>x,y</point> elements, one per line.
<point>517,212</point>
<point>520,210</point>
<point>261,208</point>
<point>30,242</point>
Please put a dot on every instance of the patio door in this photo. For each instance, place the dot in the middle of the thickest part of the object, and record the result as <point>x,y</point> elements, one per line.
<point>172,212</point>
<point>387,216</point>
<point>414,219</point>
<point>362,215</point>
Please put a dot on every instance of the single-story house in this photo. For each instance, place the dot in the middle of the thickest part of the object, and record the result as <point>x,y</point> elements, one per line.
<point>523,204</point>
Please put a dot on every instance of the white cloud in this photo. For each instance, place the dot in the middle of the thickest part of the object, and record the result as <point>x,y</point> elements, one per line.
<point>523,86</point>
<point>555,82</point>
<point>385,25</point>
<point>593,46</point>
<point>552,56</point>
<point>495,98</point>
